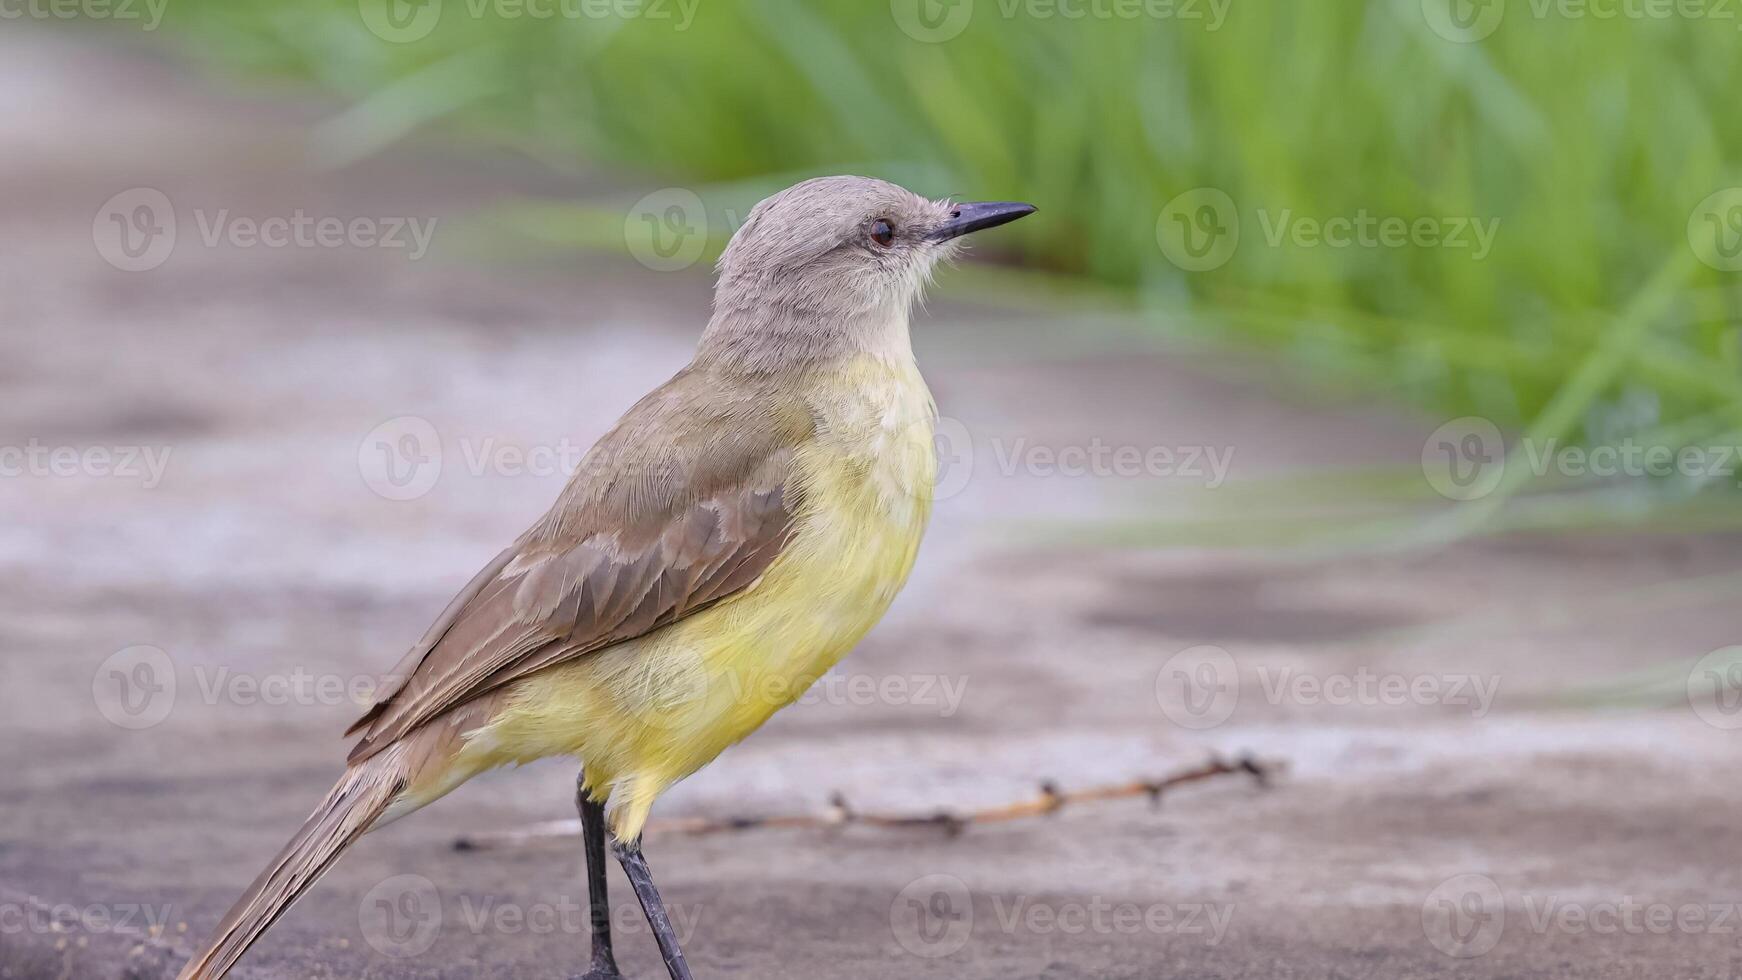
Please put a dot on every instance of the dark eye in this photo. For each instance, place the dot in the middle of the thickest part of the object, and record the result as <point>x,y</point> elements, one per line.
<point>882,232</point>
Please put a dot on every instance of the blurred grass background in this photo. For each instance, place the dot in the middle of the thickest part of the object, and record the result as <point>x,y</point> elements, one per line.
<point>1591,142</point>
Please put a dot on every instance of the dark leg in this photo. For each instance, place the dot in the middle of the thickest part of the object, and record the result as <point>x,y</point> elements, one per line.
<point>598,903</point>
<point>635,866</point>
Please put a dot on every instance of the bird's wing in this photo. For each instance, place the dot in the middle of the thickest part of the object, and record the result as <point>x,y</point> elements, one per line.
<point>686,502</point>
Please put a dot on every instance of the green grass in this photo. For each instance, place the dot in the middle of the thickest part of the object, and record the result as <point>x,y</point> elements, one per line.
<point>1590,142</point>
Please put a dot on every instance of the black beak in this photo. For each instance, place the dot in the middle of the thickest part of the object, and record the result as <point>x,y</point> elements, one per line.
<point>965,218</point>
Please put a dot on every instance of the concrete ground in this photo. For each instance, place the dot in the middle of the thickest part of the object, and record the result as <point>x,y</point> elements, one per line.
<point>177,645</point>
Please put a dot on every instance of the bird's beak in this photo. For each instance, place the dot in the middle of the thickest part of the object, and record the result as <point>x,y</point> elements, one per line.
<point>965,218</point>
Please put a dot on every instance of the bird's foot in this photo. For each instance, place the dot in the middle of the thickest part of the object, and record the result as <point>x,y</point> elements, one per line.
<point>604,968</point>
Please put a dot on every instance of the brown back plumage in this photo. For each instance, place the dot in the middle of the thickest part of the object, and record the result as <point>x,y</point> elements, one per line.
<point>658,523</point>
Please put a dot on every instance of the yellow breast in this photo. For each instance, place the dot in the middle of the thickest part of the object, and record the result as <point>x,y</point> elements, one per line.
<point>646,713</point>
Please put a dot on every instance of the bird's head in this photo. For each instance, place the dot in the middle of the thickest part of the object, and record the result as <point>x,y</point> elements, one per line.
<point>837,256</point>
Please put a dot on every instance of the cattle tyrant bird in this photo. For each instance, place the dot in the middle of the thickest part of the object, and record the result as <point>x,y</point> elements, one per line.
<point>724,545</point>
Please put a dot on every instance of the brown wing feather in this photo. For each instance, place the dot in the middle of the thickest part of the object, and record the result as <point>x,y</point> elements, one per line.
<point>686,502</point>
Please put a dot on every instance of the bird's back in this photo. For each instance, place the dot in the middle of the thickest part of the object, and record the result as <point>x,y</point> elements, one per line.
<point>647,712</point>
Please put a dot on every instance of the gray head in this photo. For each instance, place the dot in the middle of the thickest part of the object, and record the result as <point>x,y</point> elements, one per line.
<point>834,264</point>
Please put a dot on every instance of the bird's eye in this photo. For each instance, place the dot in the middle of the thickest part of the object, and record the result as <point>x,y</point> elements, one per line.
<point>882,232</point>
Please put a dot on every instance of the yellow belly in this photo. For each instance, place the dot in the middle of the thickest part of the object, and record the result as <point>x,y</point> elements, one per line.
<point>644,714</point>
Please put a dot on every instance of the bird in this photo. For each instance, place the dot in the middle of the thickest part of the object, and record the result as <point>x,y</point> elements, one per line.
<point>734,535</point>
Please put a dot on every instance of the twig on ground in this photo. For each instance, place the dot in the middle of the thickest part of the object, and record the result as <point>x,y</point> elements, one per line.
<point>841,813</point>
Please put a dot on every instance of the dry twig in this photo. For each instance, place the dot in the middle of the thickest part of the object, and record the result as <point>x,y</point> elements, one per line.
<point>841,813</point>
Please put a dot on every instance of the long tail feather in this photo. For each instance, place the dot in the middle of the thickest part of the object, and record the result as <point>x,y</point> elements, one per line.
<point>356,802</point>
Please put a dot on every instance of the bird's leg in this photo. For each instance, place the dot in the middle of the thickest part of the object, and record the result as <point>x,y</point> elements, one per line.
<point>598,903</point>
<point>635,866</point>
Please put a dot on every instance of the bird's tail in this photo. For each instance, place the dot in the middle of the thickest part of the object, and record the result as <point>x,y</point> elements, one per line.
<point>356,802</point>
